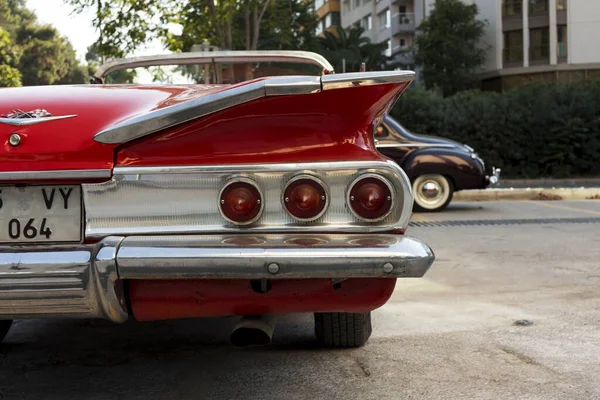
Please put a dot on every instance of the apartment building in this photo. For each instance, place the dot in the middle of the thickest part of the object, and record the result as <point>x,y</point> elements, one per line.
<point>390,21</point>
<point>550,40</point>
<point>328,12</point>
<point>554,40</point>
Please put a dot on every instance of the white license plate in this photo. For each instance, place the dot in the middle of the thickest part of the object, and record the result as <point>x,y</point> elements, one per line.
<point>38,214</point>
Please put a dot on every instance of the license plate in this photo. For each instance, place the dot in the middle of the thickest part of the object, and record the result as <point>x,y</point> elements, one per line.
<point>40,214</point>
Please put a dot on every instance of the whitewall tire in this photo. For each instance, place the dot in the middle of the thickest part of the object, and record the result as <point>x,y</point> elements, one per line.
<point>432,192</point>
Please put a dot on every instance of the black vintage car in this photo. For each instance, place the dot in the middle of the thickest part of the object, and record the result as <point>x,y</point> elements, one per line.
<point>437,167</point>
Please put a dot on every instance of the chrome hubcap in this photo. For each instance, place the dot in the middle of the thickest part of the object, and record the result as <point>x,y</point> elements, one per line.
<point>430,190</point>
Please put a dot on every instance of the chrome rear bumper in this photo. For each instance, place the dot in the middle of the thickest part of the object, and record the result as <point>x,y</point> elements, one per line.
<point>84,281</point>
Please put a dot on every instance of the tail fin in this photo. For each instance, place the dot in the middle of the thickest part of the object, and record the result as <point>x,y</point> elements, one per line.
<point>283,119</point>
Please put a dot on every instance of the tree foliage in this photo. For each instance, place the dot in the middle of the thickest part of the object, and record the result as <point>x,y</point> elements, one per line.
<point>541,130</point>
<point>353,49</point>
<point>126,25</point>
<point>447,46</point>
<point>32,53</point>
<point>9,75</point>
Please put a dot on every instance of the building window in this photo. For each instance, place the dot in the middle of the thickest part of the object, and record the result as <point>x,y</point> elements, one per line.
<point>402,43</point>
<point>367,23</point>
<point>388,52</point>
<point>319,4</point>
<point>512,8</point>
<point>561,5</point>
<point>561,36</point>
<point>513,46</point>
<point>356,3</point>
<point>384,19</point>
<point>346,6</point>
<point>332,19</point>
<point>538,6</point>
<point>539,39</point>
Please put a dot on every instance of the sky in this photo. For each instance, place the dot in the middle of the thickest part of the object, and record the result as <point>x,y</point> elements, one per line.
<point>76,27</point>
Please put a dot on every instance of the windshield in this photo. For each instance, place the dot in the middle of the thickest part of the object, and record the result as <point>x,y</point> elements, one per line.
<point>209,73</point>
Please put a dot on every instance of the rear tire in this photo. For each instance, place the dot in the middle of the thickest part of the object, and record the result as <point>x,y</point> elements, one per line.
<point>343,330</point>
<point>4,327</point>
<point>432,192</point>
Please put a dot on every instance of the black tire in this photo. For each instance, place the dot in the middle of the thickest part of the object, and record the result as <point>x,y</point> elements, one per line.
<point>343,330</point>
<point>4,327</point>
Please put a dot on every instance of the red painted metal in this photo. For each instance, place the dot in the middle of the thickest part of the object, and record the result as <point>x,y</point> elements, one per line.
<point>329,126</point>
<point>157,300</point>
<point>68,143</point>
<point>332,125</point>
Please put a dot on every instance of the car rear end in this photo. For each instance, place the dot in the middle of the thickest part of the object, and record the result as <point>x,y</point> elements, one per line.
<point>263,198</point>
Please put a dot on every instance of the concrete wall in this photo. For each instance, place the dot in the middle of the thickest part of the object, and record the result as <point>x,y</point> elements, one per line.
<point>583,30</point>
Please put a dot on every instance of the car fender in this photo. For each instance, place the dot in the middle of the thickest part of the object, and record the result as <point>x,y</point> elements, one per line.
<point>465,171</point>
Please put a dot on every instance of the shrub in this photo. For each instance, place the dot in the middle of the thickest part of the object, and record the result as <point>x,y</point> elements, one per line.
<point>540,130</point>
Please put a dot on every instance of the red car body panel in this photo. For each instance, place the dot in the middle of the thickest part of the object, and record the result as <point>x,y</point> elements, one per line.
<point>68,143</point>
<point>158,300</point>
<point>326,126</point>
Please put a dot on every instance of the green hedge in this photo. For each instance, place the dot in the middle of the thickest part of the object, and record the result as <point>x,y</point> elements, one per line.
<point>540,130</point>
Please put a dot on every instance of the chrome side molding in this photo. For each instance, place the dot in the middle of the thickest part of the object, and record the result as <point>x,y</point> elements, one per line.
<point>56,174</point>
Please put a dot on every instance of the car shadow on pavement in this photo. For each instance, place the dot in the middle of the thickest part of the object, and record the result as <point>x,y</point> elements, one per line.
<point>96,359</point>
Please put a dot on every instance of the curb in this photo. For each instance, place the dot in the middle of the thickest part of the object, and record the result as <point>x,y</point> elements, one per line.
<point>528,194</point>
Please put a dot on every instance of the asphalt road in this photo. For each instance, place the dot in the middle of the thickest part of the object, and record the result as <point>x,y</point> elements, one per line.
<point>449,335</point>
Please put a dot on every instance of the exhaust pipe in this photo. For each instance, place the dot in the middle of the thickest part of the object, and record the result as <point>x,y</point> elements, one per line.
<point>256,330</point>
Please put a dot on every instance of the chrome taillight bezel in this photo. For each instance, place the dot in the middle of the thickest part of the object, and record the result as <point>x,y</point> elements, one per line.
<point>241,179</point>
<point>385,181</point>
<point>310,177</point>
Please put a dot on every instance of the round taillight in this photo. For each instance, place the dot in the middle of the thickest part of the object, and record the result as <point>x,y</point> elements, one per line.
<point>305,198</point>
<point>370,197</point>
<point>240,202</point>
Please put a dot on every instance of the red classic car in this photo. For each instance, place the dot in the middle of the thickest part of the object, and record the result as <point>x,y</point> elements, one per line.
<point>163,201</point>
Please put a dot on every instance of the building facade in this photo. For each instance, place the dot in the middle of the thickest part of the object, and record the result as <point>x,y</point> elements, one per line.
<point>549,40</point>
<point>391,21</point>
<point>328,12</point>
<point>552,40</point>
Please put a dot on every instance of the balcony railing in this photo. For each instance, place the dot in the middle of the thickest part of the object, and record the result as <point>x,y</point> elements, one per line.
<point>402,23</point>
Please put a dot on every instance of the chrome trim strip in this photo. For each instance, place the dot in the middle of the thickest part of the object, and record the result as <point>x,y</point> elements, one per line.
<point>56,174</point>
<point>32,121</point>
<point>304,57</point>
<point>183,199</point>
<point>256,168</point>
<point>248,257</point>
<point>167,117</point>
<point>342,81</point>
<point>413,145</point>
<point>61,281</point>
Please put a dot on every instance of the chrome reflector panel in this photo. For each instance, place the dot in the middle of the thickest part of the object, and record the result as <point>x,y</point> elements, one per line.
<point>184,199</point>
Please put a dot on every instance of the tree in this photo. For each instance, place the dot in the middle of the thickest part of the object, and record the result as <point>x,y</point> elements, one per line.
<point>9,75</point>
<point>37,54</point>
<point>447,46</point>
<point>125,25</point>
<point>353,49</point>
